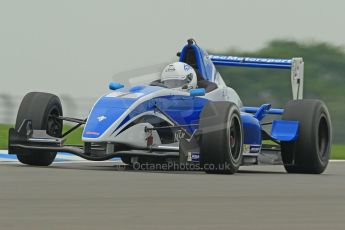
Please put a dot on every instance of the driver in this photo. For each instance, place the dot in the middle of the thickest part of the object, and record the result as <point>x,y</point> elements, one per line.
<point>180,76</point>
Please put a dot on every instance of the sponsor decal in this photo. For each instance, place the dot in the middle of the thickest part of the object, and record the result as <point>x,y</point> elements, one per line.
<point>91,133</point>
<point>251,59</point>
<point>254,148</point>
<point>251,148</point>
<point>170,68</point>
<point>187,67</point>
<point>101,118</point>
<point>195,156</point>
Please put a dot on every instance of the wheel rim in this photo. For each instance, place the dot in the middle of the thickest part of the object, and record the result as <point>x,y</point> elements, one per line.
<point>323,137</point>
<point>235,138</point>
<point>54,125</point>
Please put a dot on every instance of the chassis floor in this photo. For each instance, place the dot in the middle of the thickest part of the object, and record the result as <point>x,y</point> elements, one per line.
<point>105,196</point>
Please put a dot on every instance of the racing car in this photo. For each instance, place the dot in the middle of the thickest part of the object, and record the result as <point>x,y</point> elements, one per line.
<point>206,126</point>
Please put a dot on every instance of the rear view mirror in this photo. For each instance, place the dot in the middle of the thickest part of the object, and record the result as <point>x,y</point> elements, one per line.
<point>197,92</point>
<point>115,86</point>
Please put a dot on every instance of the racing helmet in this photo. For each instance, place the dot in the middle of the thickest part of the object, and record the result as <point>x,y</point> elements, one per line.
<point>179,75</point>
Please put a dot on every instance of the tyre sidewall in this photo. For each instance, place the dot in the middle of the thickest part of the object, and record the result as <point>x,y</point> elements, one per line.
<point>306,151</point>
<point>215,149</point>
<point>37,107</point>
<point>229,158</point>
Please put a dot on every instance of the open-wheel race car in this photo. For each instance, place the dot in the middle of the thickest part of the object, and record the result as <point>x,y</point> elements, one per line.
<point>206,126</point>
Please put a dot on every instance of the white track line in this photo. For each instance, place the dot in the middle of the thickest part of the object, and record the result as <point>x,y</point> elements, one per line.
<point>336,160</point>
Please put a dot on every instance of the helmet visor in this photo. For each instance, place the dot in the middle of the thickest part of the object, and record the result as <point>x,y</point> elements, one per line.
<point>173,83</point>
<point>178,83</point>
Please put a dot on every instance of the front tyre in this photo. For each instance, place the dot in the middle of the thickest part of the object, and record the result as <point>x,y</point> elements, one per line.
<point>42,109</point>
<point>222,138</point>
<point>310,153</point>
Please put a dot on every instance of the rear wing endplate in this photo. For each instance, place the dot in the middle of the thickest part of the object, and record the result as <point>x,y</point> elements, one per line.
<point>296,65</point>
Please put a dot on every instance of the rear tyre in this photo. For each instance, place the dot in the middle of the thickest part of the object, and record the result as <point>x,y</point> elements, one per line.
<point>222,138</point>
<point>42,109</point>
<point>311,152</point>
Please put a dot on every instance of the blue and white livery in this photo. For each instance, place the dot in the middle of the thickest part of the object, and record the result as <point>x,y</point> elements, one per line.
<point>204,123</point>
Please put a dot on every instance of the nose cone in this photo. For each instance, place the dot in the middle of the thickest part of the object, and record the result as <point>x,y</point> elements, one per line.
<point>103,115</point>
<point>111,110</point>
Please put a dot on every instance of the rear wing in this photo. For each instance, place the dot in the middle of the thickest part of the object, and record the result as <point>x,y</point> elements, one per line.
<point>295,64</point>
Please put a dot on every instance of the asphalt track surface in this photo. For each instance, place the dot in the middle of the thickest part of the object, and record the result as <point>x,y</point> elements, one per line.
<point>107,196</point>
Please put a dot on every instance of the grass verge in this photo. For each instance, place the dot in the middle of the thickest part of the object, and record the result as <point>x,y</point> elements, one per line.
<point>73,138</point>
<point>338,152</point>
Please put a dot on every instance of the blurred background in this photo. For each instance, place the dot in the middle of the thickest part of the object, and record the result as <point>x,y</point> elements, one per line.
<point>75,48</point>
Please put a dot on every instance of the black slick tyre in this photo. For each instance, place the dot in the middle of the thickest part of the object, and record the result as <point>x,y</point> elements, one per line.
<point>42,109</point>
<point>221,141</point>
<point>310,153</point>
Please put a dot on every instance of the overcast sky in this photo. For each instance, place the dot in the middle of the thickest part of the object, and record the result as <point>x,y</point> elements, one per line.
<point>76,46</point>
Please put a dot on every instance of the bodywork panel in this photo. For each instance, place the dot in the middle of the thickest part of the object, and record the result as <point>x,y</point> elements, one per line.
<point>113,111</point>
